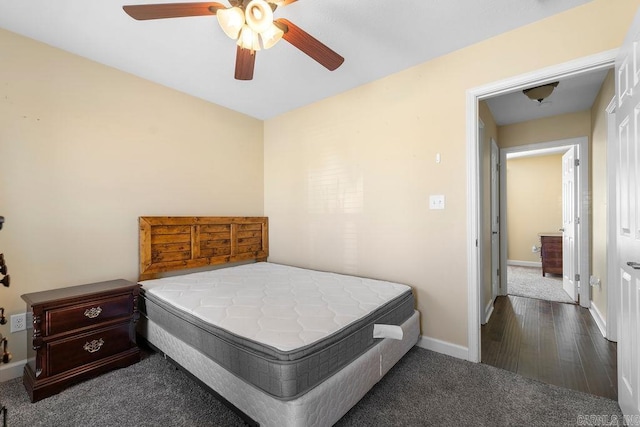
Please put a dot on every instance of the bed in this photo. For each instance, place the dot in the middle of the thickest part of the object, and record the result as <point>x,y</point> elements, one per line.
<point>286,346</point>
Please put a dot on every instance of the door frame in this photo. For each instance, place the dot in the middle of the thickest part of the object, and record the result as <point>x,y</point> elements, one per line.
<point>612,272</point>
<point>473,96</point>
<point>582,200</point>
<point>481,255</point>
<point>496,201</point>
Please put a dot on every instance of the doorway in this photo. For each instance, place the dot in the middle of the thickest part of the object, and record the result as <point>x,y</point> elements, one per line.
<point>540,339</point>
<point>573,68</point>
<point>538,218</point>
<point>548,340</point>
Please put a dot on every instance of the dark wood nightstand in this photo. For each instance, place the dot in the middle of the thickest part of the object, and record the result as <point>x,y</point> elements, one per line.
<point>551,254</point>
<point>78,333</point>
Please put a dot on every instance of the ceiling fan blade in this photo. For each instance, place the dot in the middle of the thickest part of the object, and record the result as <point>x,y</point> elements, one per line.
<point>171,10</point>
<point>309,45</point>
<point>245,60</point>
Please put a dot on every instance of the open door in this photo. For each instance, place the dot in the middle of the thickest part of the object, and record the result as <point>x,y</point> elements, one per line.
<point>628,219</point>
<point>495,219</point>
<point>570,222</point>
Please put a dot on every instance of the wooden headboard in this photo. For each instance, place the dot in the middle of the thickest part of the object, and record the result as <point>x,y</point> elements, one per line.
<point>177,243</point>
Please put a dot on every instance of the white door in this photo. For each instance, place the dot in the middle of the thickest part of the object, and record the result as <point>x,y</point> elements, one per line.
<point>628,219</point>
<point>569,222</point>
<point>495,219</point>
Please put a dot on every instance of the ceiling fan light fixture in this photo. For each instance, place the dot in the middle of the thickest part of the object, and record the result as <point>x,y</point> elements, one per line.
<point>259,15</point>
<point>250,23</point>
<point>248,39</point>
<point>271,36</point>
<point>231,21</point>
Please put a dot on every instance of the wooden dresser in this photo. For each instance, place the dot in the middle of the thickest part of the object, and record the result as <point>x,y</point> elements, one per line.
<point>551,253</point>
<point>78,333</point>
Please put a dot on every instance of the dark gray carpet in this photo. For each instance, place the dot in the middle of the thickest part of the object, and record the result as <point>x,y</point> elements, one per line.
<point>149,393</point>
<point>425,388</point>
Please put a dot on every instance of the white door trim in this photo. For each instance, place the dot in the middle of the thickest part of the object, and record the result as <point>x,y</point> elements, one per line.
<point>496,284</point>
<point>571,225</point>
<point>481,236</point>
<point>612,271</point>
<point>545,75</point>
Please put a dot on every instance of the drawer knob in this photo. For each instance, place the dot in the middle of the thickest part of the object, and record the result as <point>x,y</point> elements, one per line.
<point>93,312</point>
<point>94,345</point>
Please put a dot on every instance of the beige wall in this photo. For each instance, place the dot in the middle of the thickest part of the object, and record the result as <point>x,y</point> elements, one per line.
<point>347,179</point>
<point>554,128</point>
<point>599,190</point>
<point>534,203</point>
<point>490,132</point>
<point>86,149</point>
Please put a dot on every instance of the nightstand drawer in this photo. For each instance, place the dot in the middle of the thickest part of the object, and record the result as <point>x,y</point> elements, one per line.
<point>547,256</point>
<point>557,243</point>
<point>88,314</point>
<point>79,332</point>
<point>86,348</point>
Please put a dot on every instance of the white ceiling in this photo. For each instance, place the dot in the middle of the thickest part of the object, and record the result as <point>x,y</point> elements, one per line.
<point>194,56</point>
<point>573,94</point>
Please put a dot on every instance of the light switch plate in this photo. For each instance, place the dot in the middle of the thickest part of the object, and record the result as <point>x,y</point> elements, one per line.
<point>436,201</point>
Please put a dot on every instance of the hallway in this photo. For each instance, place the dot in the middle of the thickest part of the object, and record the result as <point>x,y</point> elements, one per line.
<point>551,342</point>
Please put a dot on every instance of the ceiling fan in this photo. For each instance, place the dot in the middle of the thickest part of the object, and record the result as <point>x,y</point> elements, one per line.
<point>251,24</point>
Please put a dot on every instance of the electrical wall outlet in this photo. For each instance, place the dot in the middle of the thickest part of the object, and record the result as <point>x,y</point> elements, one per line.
<point>18,322</point>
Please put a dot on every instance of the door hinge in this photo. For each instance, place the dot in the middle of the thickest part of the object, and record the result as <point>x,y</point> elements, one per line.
<point>576,162</point>
<point>476,243</point>
<point>577,277</point>
<point>577,220</point>
<point>498,272</point>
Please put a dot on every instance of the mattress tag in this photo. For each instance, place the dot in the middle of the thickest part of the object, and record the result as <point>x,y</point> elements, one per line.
<point>387,331</point>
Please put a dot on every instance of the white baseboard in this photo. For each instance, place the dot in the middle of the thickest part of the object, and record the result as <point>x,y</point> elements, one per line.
<point>597,316</point>
<point>444,347</point>
<point>524,263</point>
<point>488,310</point>
<point>12,370</point>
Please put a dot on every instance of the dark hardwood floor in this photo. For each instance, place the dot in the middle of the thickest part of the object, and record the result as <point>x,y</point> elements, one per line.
<point>551,342</point>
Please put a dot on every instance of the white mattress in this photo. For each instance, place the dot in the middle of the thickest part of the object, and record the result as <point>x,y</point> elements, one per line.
<point>276,305</point>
